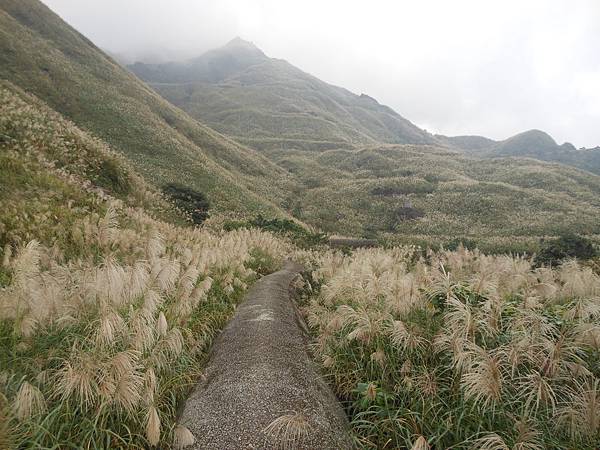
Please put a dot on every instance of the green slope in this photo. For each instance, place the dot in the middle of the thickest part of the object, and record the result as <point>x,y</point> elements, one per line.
<point>353,185</point>
<point>267,102</point>
<point>45,56</point>
<point>54,174</point>
<point>439,195</point>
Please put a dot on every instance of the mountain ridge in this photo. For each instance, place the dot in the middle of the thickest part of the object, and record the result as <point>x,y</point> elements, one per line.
<point>532,144</point>
<point>315,110</point>
<point>268,103</point>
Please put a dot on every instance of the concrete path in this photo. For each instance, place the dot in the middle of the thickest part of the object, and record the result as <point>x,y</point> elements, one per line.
<point>261,389</point>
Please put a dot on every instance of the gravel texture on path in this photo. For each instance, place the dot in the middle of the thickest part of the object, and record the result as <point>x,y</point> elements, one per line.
<point>261,381</point>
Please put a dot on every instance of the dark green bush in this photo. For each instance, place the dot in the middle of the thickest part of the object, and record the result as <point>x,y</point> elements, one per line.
<point>554,251</point>
<point>189,201</point>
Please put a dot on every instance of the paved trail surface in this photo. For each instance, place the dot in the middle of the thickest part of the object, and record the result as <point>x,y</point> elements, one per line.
<point>259,370</point>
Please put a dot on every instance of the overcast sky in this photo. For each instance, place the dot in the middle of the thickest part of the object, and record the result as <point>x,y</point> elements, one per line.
<point>493,68</point>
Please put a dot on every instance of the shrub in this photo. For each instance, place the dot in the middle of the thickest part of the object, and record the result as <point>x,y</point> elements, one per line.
<point>554,251</point>
<point>189,200</point>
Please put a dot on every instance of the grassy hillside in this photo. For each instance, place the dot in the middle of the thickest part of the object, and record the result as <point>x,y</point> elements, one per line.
<point>437,195</point>
<point>45,56</point>
<point>352,185</point>
<point>53,174</point>
<point>267,102</point>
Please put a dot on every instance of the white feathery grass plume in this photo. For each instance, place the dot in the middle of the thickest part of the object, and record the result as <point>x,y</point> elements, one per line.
<point>155,245</point>
<point>484,380</point>
<point>161,324</point>
<point>583,309</point>
<point>109,282</point>
<point>142,332</point>
<point>152,301</point>
<point>111,327</point>
<point>182,437</point>
<point>137,280</point>
<point>28,325</point>
<point>78,379</point>
<point>420,444</point>
<point>26,265</point>
<point>288,431</point>
<point>427,383</point>
<point>490,441</point>
<point>484,283</point>
<point>364,326</point>
<point>152,426</point>
<point>167,274</point>
<point>186,282</point>
<point>128,379</point>
<point>28,402</point>
<point>578,282</point>
<point>167,348</point>
<point>407,337</point>
<point>528,437</point>
<point>588,334</point>
<point>107,226</point>
<point>580,414</point>
<point>150,384</point>
<point>316,315</point>
<point>532,326</point>
<point>559,352</point>
<point>535,390</point>
<point>461,357</point>
<point>459,319</point>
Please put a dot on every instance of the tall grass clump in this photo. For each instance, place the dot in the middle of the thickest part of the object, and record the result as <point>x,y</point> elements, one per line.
<point>459,349</point>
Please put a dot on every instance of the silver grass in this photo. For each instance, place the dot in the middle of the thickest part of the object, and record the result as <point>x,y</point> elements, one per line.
<point>28,402</point>
<point>183,437</point>
<point>288,431</point>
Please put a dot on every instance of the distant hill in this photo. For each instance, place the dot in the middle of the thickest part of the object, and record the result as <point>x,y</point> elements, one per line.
<point>43,55</point>
<point>532,144</point>
<point>266,102</point>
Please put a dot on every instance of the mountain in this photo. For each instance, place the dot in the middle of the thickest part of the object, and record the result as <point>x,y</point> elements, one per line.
<point>532,144</point>
<point>360,182</point>
<point>267,102</point>
<point>44,56</point>
<point>212,67</point>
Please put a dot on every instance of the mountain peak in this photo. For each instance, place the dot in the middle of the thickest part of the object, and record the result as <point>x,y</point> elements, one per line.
<point>239,43</point>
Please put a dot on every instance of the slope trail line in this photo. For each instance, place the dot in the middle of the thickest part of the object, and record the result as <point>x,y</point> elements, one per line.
<point>260,370</point>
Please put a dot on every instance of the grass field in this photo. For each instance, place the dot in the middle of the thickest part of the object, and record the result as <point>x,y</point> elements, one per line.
<point>460,350</point>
